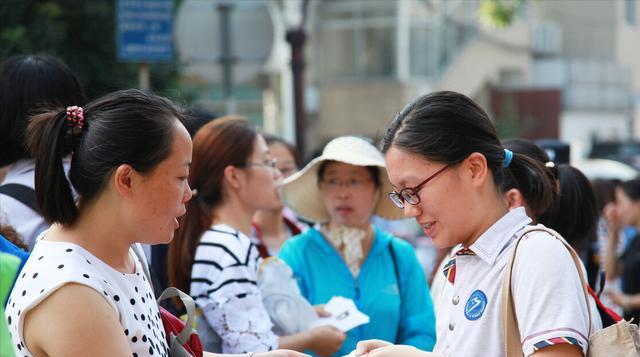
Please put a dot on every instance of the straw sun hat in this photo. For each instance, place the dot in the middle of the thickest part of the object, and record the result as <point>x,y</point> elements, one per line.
<point>302,193</point>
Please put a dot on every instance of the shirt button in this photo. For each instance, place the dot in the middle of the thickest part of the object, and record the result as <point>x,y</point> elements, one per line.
<point>455,300</point>
<point>451,326</point>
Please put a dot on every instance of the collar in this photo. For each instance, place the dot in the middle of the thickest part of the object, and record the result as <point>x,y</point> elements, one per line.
<point>489,245</point>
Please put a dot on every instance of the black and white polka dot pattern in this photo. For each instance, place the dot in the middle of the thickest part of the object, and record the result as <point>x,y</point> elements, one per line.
<point>52,264</point>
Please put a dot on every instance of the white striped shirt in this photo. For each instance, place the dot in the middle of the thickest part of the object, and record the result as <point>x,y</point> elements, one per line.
<point>224,286</point>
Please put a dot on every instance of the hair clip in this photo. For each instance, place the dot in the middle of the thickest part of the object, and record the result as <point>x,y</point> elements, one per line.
<point>75,117</point>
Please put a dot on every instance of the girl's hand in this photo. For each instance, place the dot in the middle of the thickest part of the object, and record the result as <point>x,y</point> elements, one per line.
<point>280,353</point>
<point>364,347</point>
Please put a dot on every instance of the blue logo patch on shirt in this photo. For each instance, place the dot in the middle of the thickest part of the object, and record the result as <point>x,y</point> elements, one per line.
<point>475,306</point>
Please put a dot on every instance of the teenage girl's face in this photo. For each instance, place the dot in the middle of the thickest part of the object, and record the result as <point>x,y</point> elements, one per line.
<point>627,209</point>
<point>260,182</point>
<point>164,192</point>
<point>349,194</point>
<point>444,212</point>
<point>285,160</point>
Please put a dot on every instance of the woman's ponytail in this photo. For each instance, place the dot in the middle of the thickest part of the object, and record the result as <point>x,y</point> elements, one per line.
<point>50,139</point>
<point>532,179</point>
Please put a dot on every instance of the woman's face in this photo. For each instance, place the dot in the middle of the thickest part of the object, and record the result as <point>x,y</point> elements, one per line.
<point>627,209</point>
<point>162,195</point>
<point>285,160</point>
<point>260,182</point>
<point>445,211</point>
<point>349,194</point>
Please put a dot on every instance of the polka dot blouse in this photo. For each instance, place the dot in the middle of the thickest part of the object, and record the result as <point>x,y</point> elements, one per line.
<point>53,264</point>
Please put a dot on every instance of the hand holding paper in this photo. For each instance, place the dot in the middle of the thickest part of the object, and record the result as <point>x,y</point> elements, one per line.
<point>344,314</point>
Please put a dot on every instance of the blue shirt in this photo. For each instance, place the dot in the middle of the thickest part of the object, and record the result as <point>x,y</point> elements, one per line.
<point>404,318</point>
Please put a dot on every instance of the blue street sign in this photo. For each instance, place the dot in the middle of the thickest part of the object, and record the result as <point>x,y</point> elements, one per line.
<point>145,30</point>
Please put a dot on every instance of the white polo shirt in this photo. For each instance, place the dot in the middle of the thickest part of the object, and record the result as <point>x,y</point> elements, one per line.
<point>548,297</point>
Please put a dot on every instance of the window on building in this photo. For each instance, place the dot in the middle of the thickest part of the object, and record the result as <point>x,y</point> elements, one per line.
<point>356,39</point>
<point>630,12</point>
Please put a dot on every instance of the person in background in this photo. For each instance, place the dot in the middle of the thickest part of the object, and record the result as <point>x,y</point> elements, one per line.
<point>345,255</point>
<point>273,227</point>
<point>605,201</point>
<point>448,167</point>
<point>13,256</point>
<point>625,212</point>
<point>213,257</point>
<point>28,84</point>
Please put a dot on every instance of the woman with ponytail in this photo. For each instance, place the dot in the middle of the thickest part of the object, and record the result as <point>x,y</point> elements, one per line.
<point>213,258</point>
<point>449,169</point>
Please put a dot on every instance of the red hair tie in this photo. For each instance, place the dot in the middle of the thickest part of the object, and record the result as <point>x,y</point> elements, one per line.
<point>75,116</point>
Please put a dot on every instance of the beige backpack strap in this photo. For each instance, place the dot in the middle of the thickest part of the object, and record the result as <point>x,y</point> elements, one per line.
<point>510,329</point>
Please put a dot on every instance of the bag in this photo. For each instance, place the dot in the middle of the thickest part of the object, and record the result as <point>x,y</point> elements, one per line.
<point>289,311</point>
<point>621,339</point>
<point>182,339</point>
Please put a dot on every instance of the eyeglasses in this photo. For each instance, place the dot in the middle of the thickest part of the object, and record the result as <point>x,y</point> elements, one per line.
<point>270,163</point>
<point>410,194</point>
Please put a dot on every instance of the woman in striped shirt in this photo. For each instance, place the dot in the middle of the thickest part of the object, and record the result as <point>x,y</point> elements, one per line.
<point>212,256</point>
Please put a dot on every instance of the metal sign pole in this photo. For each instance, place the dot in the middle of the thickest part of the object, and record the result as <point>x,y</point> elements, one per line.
<point>226,57</point>
<point>144,77</point>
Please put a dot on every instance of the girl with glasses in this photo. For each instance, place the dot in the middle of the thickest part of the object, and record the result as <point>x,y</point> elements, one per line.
<point>464,207</point>
<point>213,258</point>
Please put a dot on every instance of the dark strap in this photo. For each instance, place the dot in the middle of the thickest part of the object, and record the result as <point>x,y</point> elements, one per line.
<point>24,194</point>
<point>397,271</point>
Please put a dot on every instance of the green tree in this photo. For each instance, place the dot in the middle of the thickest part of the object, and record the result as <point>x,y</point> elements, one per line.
<point>498,13</point>
<point>83,34</point>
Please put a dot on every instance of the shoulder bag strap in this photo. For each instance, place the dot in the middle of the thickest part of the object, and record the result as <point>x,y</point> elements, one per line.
<point>190,306</point>
<point>394,259</point>
<point>510,329</point>
<point>24,194</point>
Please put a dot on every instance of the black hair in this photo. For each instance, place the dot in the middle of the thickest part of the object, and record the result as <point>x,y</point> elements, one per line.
<point>605,191</point>
<point>529,191</point>
<point>125,127</point>
<point>631,188</point>
<point>272,139</point>
<point>196,118</point>
<point>575,213</point>
<point>448,127</point>
<point>373,171</point>
<point>28,85</point>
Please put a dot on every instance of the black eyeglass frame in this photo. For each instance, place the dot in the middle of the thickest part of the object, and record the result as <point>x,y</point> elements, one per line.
<point>408,193</point>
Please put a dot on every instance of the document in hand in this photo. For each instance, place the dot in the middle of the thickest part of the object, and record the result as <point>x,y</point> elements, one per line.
<point>344,314</point>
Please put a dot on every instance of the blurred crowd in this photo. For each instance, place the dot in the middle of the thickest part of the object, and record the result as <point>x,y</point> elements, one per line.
<point>416,230</point>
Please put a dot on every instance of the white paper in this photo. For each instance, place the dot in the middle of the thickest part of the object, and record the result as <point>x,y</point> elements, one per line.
<point>344,314</point>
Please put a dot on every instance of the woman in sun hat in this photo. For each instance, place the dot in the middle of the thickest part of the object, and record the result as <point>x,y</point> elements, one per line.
<point>344,255</point>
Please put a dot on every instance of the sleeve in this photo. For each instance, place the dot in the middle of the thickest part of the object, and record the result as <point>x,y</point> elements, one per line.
<point>548,295</point>
<point>291,254</point>
<point>232,305</point>
<point>417,320</point>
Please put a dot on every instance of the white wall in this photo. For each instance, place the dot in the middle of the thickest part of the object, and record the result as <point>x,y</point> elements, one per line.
<point>578,128</point>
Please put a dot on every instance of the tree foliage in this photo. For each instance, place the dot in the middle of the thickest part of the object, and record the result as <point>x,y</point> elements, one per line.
<point>498,13</point>
<point>83,34</point>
